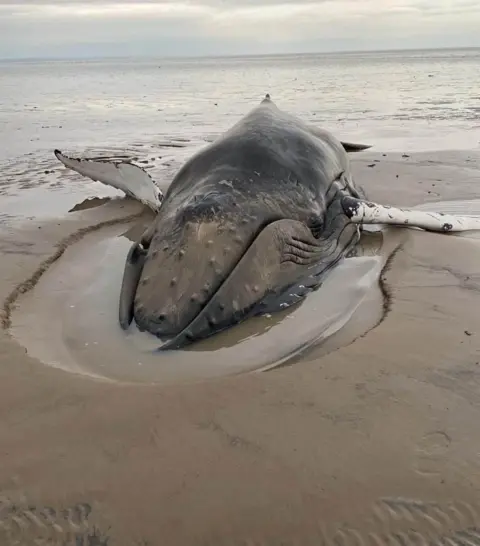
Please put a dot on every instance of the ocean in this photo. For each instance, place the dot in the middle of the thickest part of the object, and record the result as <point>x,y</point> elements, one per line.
<point>162,110</point>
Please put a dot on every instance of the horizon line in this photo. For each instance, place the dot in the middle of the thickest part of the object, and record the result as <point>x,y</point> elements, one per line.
<point>237,55</point>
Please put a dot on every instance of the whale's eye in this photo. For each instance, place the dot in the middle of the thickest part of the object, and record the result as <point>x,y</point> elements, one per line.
<point>315,223</point>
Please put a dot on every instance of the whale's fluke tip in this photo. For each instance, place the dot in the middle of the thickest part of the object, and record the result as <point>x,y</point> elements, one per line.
<point>352,147</point>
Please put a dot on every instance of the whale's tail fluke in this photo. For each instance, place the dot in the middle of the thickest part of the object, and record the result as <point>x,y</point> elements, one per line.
<point>352,147</point>
<point>125,176</point>
<point>349,147</point>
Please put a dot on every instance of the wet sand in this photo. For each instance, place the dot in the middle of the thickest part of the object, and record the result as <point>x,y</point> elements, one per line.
<point>375,442</point>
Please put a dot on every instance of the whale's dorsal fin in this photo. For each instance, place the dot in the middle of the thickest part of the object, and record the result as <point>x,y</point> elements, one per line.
<point>352,147</point>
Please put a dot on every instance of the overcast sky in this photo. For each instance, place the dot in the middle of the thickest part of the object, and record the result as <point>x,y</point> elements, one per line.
<point>87,28</point>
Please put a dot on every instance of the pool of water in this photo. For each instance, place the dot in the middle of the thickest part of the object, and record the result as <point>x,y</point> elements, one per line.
<point>74,307</point>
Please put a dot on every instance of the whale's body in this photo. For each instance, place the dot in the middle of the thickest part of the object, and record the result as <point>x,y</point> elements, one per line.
<point>250,224</point>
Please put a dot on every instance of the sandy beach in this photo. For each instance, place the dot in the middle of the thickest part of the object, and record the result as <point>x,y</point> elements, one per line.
<point>372,442</point>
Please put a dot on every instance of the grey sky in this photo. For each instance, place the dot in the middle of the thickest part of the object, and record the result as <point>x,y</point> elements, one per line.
<point>43,28</point>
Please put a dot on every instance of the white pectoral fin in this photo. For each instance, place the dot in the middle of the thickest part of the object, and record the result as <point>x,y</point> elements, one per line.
<point>131,179</point>
<point>364,212</point>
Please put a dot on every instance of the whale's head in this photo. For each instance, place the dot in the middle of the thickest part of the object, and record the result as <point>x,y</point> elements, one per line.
<point>209,264</point>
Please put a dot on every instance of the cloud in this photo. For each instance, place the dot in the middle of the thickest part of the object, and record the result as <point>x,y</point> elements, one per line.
<point>191,27</point>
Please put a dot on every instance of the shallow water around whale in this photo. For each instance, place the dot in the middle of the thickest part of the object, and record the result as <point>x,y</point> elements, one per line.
<point>69,319</point>
<point>75,307</point>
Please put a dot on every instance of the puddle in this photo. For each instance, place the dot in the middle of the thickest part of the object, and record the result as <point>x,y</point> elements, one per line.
<point>69,320</point>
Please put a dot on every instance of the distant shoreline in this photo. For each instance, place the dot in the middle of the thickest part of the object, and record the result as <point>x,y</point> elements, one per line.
<point>242,56</point>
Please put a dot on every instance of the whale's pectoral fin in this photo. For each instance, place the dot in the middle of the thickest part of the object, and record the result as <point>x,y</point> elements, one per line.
<point>131,275</point>
<point>125,176</point>
<point>365,212</point>
<point>352,147</point>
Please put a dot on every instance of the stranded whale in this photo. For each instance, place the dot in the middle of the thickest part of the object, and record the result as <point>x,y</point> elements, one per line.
<point>250,224</point>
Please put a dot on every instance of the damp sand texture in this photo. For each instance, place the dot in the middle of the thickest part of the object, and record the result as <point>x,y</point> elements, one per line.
<point>378,437</point>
